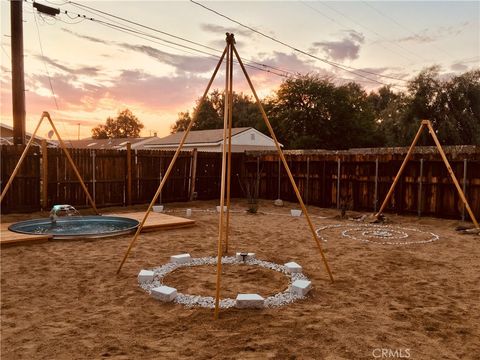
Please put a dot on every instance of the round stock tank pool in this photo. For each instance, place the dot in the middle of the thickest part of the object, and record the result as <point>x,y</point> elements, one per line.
<point>70,227</point>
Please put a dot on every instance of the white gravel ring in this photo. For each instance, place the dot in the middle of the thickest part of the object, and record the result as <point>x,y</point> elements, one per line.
<point>379,234</point>
<point>276,300</point>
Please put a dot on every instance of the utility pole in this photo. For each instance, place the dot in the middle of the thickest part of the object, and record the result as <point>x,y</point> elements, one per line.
<point>18,83</point>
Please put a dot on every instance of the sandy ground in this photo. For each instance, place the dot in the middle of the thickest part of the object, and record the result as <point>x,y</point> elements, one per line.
<point>63,300</point>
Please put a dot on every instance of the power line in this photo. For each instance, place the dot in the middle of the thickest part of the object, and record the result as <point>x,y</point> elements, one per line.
<point>400,25</point>
<point>262,67</point>
<point>44,62</point>
<point>141,34</point>
<point>341,24</point>
<point>331,63</point>
<point>373,31</point>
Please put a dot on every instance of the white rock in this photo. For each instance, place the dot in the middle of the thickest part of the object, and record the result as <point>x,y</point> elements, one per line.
<point>243,256</point>
<point>293,267</point>
<point>249,301</point>
<point>180,258</point>
<point>295,212</point>
<point>301,287</point>
<point>145,276</point>
<point>164,293</point>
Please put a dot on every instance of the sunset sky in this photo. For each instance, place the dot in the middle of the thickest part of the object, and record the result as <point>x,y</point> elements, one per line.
<point>96,70</point>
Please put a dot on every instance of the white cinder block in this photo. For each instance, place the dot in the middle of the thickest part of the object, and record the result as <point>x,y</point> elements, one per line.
<point>249,301</point>
<point>145,276</point>
<point>243,256</point>
<point>158,208</point>
<point>293,267</point>
<point>296,212</point>
<point>180,258</point>
<point>301,287</point>
<point>164,293</point>
<point>224,208</point>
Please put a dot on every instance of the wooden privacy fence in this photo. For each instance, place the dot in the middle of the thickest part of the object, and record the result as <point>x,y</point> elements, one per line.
<point>359,179</point>
<point>356,179</point>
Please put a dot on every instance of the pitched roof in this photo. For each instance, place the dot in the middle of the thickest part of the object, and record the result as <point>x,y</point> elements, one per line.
<point>197,137</point>
<point>118,143</point>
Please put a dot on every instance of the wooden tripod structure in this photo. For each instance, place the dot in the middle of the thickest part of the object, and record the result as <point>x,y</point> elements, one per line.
<point>427,124</point>
<point>224,217</point>
<point>46,115</point>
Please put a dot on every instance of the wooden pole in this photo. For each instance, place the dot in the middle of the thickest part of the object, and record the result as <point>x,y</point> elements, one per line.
<point>170,167</point>
<point>75,170</point>
<point>129,174</point>
<point>22,157</point>
<point>193,172</point>
<point>452,174</point>
<point>308,176</point>
<point>420,189</point>
<point>339,169</point>
<point>400,171</point>
<point>229,150</point>
<point>222,183</point>
<point>284,161</point>
<point>18,82</point>
<point>464,186</point>
<point>44,175</point>
<point>375,201</point>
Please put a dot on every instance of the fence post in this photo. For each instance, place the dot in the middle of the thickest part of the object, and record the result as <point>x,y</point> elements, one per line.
<point>308,175</point>
<point>339,164</point>
<point>44,175</point>
<point>193,173</point>
<point>279,176</point>
<point>93,177</point>
<point>257,188</point>
<point>464,185</point>
<point>375,201</point>
<point>129,174</point>
<point>420,185</point>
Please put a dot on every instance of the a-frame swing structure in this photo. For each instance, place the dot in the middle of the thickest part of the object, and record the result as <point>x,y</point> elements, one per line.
<point>427,124</point>
<point>223,226</point>
<point>46,115</point>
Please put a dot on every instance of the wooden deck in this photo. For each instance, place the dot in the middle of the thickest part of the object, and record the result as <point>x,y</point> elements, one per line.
<point>155,222</point>
<point>158,221</point>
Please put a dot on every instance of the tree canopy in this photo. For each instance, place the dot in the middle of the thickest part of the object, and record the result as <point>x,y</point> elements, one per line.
<point>123,126</point>
<point>310,112</point>
<point>209,114</point>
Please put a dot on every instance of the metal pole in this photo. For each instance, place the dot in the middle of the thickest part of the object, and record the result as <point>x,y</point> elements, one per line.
<point>464,185</point>
<point>375,201</point>
<point>338,182</point>
<point>420,185</point>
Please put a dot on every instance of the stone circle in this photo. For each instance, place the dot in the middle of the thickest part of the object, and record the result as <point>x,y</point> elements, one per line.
<point>190,300</point>
<point>380,234</point>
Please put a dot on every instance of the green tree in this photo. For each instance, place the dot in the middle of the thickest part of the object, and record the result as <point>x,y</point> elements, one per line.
<point>123,126</point>
<point>310,112</point>
<point>209,114</point>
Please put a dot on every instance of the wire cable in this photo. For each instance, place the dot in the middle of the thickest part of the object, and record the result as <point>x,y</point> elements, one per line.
<point>331,63</point>
<point>44,62</point>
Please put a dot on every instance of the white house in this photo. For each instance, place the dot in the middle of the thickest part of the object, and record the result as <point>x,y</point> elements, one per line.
<point>243,139</point>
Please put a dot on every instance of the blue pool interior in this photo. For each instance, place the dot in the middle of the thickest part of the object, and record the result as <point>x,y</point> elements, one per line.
<point>77,226</point>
